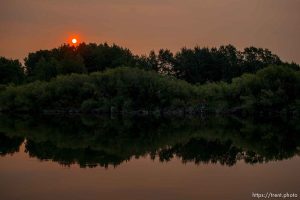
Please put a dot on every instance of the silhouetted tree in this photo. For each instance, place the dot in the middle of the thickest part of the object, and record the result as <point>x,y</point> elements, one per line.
<point>45,70</point>
<point>257,58</point>
<point>200,65</point>
<point>83,58</point>
<point>9,145</point>
<point>149,62</point>
<point>11,71</point>
<point>229,59</point>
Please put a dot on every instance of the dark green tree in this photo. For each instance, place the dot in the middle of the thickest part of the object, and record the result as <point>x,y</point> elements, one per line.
<point>255,59</point>
<point>45,70</point>
<point>11,71</point>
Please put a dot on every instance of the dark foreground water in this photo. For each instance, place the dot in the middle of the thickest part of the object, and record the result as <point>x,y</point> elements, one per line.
<point>88,157</point>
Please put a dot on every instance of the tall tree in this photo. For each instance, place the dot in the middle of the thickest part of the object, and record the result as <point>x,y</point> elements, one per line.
<point>11,71</point>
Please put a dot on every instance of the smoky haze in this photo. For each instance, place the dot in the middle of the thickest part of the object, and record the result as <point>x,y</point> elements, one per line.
<point>142,25</point>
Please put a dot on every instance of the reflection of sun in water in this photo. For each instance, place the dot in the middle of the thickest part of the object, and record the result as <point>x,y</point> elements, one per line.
<point>74,40</point>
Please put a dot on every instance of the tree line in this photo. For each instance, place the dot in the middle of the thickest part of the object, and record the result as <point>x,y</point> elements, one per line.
<point>127,90</point>
<point>195,65</point>
<point>110,79</point>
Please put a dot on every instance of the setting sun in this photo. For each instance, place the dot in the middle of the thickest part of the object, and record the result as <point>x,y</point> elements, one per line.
<point>153,99</point>
<point>74,40</point>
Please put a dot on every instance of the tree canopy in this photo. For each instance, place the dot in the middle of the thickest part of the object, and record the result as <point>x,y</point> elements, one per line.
<point>195,65</point>
<point>66,59</point>
<point>109,78</point>
<point>11,71</point>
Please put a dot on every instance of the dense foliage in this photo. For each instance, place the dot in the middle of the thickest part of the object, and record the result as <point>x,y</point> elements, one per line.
<point>194,65</point>
<point>121,89</point>
<point>275,88</point>
<point>92,78</point>
<point>200,65</point>
<point>272,89</point>
<point>11,71</point>
<point>46,64</point>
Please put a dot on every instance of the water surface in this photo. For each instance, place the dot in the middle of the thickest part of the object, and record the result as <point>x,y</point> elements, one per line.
<point>88,157</point>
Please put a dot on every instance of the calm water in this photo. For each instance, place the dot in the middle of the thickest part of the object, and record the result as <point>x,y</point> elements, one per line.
<point>88,157</point>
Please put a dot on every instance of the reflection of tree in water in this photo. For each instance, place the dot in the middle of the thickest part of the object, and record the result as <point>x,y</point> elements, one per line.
<point>84,157</point>
<point>202,151</point>
<point>9,145</point>
<point>102,141</point>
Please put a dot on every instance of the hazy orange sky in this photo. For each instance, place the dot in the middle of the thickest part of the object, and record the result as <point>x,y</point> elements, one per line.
<point>143,25</point>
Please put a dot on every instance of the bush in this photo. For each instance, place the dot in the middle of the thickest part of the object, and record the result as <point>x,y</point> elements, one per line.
<point>117,90</point>
<point>272,89</point>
